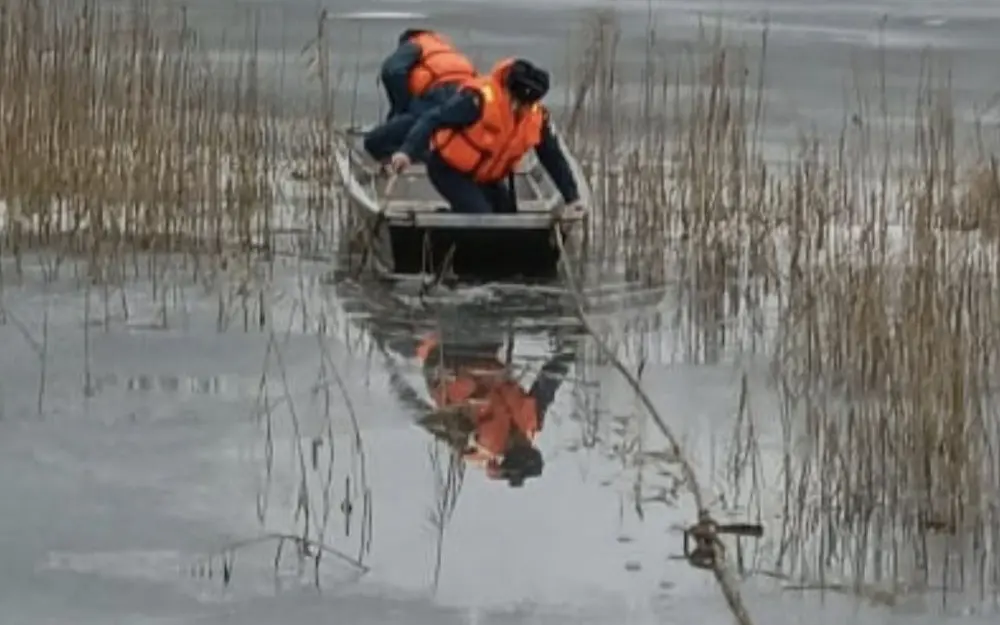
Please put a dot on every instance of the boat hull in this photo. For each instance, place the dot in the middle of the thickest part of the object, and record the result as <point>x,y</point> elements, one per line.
<point>487,253</point>
<point>411,230</point>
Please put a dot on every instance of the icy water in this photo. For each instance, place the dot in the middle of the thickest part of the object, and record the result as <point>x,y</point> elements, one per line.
<point>135,434</point>
<point>815,49</point>
<point>139,480</point>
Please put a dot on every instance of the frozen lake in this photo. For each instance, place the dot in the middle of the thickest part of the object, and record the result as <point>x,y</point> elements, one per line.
<point>114,498</point>
<point>814,47</point>
<point>134,447</point>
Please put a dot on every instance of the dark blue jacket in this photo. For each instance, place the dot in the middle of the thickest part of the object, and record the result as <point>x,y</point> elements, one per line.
<point>396,74</point>
<point>396,81</point>
<point>464,109</point>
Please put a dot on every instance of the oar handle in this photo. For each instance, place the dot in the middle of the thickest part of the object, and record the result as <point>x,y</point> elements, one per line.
<point>390,185</point>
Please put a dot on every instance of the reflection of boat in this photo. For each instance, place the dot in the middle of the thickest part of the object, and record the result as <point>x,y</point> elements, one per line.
<point>473,398</point>
<point>476,329</point>
<point>413,230</point>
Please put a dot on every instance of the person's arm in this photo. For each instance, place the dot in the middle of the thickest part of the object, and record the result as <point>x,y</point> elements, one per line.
<point>396,75</point>
<point>458,111</point>
<point>398,384</point>
<point>428,352</point>
<point>406,394</point>
<point>547,384</point>
<point>552,158</point>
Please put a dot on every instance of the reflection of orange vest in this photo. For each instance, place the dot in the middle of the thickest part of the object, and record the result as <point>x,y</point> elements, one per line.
<point>498,402</point>
<point>439,63</point>
<point>492,147</point>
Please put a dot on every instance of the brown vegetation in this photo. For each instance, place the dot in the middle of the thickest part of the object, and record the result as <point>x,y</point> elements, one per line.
<point>120,138</point>
<point>852,268</point>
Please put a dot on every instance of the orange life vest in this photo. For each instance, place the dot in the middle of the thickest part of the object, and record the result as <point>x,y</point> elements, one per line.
<point>498,403</point>
<point>439,63</point>
<point>492,147</point>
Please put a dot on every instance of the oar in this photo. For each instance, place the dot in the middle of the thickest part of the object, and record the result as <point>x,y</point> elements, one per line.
<point>372,231</point>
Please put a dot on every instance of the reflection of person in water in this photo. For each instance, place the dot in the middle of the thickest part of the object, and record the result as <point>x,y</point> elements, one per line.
<point>484,412</point>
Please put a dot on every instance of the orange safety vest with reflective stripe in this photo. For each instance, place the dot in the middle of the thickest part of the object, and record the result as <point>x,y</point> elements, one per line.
<point>498,404</point>
<point>439,63</point>
<point>491,148</point>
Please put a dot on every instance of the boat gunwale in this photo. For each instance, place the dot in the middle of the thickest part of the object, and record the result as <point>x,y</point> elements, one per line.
<point>349,160</point>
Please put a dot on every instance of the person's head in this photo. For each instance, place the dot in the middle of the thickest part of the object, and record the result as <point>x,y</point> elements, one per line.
<point>520,463</point>
<point>410,33</point>
<point>526,83</point>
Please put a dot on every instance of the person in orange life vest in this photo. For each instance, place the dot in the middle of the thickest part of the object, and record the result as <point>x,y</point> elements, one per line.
<point>504,419</point>
<point>479,135</point>
<point>423,71</point>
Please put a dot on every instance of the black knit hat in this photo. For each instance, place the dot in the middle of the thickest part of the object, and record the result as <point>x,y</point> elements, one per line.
<point>410,33</point>
<point>526,82</point>
<point>520,463</point>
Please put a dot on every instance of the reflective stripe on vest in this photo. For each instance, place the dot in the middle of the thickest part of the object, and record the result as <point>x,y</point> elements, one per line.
<point>439,63</point>
<point>491,148</point>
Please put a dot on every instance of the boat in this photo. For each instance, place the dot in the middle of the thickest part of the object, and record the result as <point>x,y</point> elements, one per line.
<point>410,228</point>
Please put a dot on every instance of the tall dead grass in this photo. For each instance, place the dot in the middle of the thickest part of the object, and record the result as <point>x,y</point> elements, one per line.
<point>673,149</point>
<point>120,137</point>
<point>885,359</point>
<point>863,268</point>
<point>133,151</point>
<point>128,152</point>
<point>122,143</point>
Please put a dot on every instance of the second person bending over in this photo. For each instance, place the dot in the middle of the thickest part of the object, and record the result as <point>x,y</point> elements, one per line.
<point>479,135</point>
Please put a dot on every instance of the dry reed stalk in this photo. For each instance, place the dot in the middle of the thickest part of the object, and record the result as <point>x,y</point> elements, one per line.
<point>884,361</point>
<point>326,205</point>
<point>882,344</point>
<point>314,495</point>
<point>678,169</point>
<point>120,139</point>
<point>449,478</point>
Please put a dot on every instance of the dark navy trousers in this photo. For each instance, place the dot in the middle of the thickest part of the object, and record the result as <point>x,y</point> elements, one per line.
<point>464,194</point>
